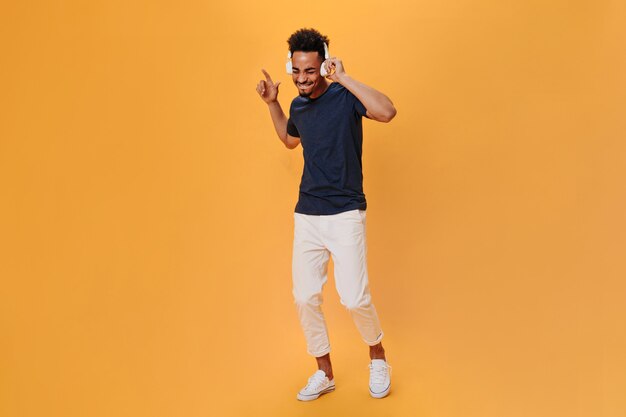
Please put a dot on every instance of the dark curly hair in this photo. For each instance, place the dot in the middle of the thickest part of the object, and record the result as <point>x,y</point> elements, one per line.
<point>307,40</point>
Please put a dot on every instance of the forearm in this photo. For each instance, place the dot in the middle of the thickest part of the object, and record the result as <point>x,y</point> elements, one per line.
<point>280,122</point>
<point>376,103</point>
<point>279,119</point>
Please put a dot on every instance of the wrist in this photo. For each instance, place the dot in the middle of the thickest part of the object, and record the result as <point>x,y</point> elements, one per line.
<point>342,77</point>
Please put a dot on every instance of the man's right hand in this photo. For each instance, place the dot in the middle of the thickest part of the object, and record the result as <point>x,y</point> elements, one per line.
<point>267,89</point>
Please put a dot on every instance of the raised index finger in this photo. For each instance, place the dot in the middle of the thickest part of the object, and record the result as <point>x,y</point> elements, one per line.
<point>267,76</point>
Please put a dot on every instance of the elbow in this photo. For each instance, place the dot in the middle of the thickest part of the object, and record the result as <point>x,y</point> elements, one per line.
<point>389,115</point>
<point>290,145</point>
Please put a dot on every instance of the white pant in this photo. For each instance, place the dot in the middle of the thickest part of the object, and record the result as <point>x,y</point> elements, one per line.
<point>342,236</point>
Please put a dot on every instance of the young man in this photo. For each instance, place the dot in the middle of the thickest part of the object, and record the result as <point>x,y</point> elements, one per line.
<point>329,218</point>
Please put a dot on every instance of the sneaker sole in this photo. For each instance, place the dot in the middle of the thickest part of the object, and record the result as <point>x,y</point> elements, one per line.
<point>315,396</point>
<point>381,394</point>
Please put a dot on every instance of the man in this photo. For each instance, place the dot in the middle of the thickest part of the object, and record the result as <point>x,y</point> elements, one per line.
<point>329,218</point>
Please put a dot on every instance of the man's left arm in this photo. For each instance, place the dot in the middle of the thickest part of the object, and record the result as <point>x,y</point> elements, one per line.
<point>379,106</point>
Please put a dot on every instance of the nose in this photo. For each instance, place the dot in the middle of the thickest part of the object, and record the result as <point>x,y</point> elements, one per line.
<point>301,78</point>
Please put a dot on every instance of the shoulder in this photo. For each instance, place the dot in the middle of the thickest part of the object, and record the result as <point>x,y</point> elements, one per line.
<point>338,87</point>
<point>295,101</point>
<point>340,91</point>
<point>338,94</point>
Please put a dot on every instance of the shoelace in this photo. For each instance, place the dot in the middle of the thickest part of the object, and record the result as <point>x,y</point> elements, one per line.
<point>378,373</point>
<point>315,381</point>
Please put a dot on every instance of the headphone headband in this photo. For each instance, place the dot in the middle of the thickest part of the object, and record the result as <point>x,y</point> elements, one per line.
<point>326,53</point>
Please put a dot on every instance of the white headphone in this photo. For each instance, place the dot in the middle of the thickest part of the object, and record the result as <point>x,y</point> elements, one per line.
<point>323,71</point>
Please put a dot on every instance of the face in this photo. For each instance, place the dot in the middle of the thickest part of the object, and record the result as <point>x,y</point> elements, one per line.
<point>306,73</point>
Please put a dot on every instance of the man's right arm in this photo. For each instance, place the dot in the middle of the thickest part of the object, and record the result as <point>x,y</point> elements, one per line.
<point>280,124</point>
<point>268,90</point>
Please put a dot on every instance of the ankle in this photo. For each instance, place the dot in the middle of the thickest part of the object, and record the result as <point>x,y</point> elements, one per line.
<point>377,352</point>
<point>323,363</point>
<point>329,373</point>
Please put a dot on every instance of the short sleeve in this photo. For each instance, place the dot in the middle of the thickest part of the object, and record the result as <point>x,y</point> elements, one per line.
<point>359,107</point>
<point>291,129</point>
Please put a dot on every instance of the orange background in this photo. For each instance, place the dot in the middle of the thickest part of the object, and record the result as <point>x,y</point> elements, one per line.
<point>147,209</point>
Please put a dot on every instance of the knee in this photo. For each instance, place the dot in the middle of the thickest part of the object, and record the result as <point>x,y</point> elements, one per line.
<point>354,303</point>
<point>304,298</point>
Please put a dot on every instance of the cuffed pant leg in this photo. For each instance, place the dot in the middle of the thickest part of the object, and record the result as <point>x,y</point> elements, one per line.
<point>309,273</point>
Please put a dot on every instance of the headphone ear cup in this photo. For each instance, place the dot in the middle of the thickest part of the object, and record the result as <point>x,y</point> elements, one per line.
<point>323,71</point>
<point>288,65</point>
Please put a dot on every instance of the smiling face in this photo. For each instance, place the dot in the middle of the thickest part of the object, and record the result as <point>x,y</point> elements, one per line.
<point>306,74</point>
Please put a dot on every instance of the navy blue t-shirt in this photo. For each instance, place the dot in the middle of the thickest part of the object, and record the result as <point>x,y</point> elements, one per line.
<point>331,134</point>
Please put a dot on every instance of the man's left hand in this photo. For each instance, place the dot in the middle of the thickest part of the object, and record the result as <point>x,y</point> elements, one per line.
<point>335,68</point>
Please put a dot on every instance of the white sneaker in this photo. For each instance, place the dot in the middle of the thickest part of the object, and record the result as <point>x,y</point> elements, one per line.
<point>380,378</point>
<point>318,384</point>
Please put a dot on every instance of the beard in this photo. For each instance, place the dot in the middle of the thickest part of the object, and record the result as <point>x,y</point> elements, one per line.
<point>305,93</point>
